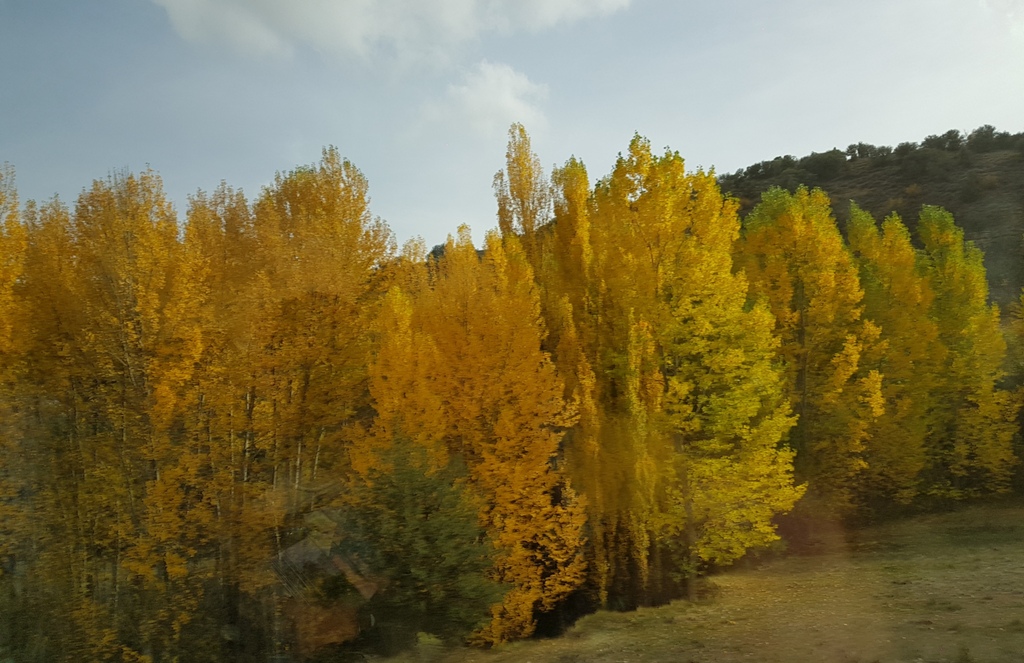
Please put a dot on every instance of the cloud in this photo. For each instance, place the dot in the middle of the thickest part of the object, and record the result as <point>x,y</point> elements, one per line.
<point>536,15</point>
<point>488,99</point>
<point>368,28</point>
<point>234,22</point>
<point>1010,11</point>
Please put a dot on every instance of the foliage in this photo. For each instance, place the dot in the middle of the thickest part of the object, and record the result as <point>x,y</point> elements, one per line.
<point>419,528</point>
<point>978,182</point>
<point>681,402</point>
<point>616,393</point>
<point>898,298</point>
<point>972,449</point>
<point>796,261</point>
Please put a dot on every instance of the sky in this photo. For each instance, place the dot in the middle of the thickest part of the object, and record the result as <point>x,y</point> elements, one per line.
<point>419,94</point>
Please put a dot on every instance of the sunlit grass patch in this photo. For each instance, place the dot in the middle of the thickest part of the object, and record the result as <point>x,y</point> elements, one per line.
<point>924,591</point>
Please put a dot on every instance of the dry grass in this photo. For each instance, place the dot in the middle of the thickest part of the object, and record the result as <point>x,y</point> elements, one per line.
<point>946,587</point>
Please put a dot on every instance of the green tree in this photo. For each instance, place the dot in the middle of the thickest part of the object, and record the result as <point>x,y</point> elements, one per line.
<point>971,448</point>
<point>418,529</point>
<point>795,260</point>
<point>898,298</point>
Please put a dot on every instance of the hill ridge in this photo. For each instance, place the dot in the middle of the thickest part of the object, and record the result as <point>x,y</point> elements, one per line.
<point>978,176</point>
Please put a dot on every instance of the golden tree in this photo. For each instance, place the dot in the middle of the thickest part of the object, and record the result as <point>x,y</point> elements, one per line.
<point>703,388</point>
<point>522,192</point>
<point>460,370</point>
<point>13,244</point>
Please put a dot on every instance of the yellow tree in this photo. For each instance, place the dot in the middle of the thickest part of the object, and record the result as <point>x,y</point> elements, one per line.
<point>572,246</point>
<point>522,192</point>
<point>481,384</point>
<point>795,260</point>
<point>725,401</point>
<point>220,455</point>
<point>319,249</point>
<point>18,523</point>
<point>12,254</point>
<point>70,497</point>
<point>898,298</point>
<point>407,454</point>
<point>291,287</point>
<point>126,247</point>
<point>695,406</point>
<point>565,279</point>
<point>618,318</point>
<point>972,446</point>
<point>403,388</point>
<point>95,291</point>
<point>13,244</point>
<point>1015,342</point>
<point>218,502</point>
<point>189,503</point>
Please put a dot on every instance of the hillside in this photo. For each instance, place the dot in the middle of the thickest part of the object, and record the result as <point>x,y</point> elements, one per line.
<point>978,177</point>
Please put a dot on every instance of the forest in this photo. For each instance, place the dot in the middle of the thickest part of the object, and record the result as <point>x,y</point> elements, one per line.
<point>264,430</point>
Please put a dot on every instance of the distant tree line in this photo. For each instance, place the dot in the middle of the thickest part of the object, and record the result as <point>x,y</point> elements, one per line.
<point>914,159</point>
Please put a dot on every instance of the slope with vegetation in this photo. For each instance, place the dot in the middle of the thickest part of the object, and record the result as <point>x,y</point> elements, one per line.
<point>977,176</point>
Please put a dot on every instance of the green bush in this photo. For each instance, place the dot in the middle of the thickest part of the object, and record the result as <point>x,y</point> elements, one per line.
<point>419,533</point>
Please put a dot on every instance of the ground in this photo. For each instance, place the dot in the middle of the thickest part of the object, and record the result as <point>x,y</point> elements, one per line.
<point>938,588</point>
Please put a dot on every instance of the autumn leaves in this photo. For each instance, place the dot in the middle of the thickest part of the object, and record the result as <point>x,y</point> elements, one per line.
<point>623,388</point>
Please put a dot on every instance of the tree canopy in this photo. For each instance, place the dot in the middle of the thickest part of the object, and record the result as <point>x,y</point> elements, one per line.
<point>262,429</point>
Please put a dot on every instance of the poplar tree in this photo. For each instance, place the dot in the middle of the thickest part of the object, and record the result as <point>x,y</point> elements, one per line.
<point>898,298</point>
<point>13,245</point>
<point>221,458</point>
<point>126,250</point>
<point>95,291</point>
<point>318,249</point>
<point>619,392</point>
<point>725,400</point>
<point>459,371</point>
<point>16,517</point>
<point>63,489</point>
<point>624,316</point>
<point>522,193</point>
<point>714,394</point>
<point>680,458</point>
<point>795,260</point>
<point>971,450</point>
<point>569,313</point>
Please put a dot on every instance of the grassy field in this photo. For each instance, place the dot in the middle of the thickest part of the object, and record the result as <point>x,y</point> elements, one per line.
<point>945,587</point>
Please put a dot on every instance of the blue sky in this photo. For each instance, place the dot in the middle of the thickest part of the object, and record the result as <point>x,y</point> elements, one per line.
<point>419,94</point>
